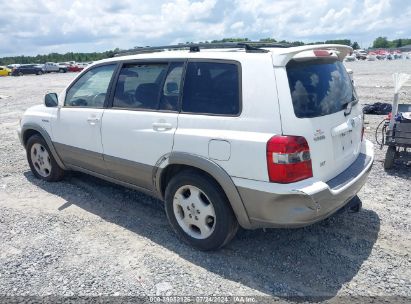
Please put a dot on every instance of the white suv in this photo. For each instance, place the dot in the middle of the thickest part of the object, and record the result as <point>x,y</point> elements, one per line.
<point>235,135</point>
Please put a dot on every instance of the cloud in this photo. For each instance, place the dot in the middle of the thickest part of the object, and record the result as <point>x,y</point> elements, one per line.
<point>42,26</point>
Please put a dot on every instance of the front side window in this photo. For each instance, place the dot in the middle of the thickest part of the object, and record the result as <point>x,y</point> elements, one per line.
<point>91,89</point>
<point>211,88</point>
<point>139,86</point>
<point>319,87</point>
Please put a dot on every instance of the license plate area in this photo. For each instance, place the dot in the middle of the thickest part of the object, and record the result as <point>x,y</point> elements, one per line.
<point>344,144</point>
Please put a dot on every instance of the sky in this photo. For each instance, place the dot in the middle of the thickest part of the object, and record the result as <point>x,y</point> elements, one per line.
<point>31,27</point>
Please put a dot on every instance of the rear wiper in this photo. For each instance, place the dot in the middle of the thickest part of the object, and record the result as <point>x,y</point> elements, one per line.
<point>347,106</point>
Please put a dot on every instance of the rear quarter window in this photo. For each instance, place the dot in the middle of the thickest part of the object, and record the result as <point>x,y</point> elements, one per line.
<point>212,88</point>
<point>319,87</point>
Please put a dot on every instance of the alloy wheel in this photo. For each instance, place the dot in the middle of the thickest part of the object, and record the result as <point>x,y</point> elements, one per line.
<point>40,159</point>
<point>194,212</point>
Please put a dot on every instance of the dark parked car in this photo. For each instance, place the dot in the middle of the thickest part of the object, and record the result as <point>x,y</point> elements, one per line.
<point>28,69</point>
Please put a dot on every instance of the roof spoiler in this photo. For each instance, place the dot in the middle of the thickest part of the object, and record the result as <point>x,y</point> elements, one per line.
<point>283,56</point>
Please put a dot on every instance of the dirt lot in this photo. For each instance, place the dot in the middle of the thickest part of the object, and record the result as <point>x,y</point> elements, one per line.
<point>84,236</point>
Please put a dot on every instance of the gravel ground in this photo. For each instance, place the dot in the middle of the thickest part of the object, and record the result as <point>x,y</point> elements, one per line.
<point>87,237</point>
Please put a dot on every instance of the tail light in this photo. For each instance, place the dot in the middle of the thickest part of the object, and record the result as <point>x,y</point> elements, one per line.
<point>288,159</point>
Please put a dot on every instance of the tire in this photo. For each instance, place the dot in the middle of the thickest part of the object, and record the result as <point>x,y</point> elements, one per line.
<point>41,160</point>
<point>39,73</point>
<point>389,157</point>
<point>210,210</point>
<point>62,70</point>
<point>20,73</point>
<point>9,73</point>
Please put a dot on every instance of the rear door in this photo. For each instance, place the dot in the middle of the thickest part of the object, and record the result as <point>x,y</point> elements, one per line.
<point>318,101</point>
<point>138,129</point>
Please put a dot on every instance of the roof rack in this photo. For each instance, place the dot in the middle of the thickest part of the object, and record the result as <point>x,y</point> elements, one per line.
<point>249,46</point>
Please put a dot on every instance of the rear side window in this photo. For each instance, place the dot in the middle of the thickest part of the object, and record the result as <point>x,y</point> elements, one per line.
<point>139,86</point>
<point>171,89</point>
<point>319,87</point>
<point>211,88</point>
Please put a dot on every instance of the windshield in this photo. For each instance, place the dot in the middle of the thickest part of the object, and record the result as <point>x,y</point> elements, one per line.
<point>319,87</point>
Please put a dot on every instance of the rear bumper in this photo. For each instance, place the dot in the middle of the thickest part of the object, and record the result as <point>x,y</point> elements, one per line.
<point>306,202</point>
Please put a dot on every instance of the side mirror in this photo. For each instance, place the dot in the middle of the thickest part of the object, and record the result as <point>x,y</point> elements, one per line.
<point>51,100</point>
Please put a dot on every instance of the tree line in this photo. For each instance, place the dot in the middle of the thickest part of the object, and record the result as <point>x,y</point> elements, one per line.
<point>56,57</point>
<point>292,43</point>
<point>384,43</point>
<point>380,42</point>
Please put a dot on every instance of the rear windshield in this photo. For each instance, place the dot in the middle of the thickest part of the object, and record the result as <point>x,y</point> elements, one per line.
<point>319,87</point>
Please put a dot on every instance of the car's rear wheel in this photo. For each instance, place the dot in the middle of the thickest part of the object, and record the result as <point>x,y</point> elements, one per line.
<point>41,160</point>
<point>199,212</point>
<point>39,73</point>
<point>20,73</point>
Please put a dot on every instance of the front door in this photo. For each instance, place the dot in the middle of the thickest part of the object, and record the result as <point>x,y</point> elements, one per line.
<point>76,128</point>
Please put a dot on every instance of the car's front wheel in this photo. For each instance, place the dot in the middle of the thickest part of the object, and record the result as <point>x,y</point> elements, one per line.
<point>41,160</point>
<point>199,212</point>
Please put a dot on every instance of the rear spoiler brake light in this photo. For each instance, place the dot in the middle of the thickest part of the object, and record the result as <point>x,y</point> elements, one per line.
<point>322,53</point>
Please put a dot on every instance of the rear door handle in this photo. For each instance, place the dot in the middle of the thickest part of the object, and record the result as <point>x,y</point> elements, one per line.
<point>93,120</point>
<point>162,126</point>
